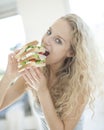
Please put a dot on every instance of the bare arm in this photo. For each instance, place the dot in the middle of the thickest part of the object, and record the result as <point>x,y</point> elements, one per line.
<point>10,94</point>
<point>71,123</point>
<point>54,122</point>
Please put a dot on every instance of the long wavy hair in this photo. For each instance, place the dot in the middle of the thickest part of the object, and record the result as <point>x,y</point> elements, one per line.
<point>76,76</point>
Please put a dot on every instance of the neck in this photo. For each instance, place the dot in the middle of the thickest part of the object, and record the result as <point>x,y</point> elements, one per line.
<point>52,76</point>
<point>54,68</point>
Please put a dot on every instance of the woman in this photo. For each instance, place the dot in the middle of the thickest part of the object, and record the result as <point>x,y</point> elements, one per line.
<point>64,87</point>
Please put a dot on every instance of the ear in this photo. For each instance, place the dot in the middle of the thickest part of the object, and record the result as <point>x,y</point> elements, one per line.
<point>70,53</point>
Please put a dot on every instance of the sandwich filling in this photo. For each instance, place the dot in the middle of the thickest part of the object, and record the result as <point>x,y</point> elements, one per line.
<point>31,55</point>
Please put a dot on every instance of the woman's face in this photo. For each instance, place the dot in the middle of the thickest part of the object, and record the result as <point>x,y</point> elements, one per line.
<point>57,42</point>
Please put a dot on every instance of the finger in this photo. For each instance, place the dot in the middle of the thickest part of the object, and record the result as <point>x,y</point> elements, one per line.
<point>34,74</point>
<point>13,60</point>
<point>17,51</point>
<point>38,72</point>
<point>29,83</point>
<point>32,77</point>
<point>29,76</point>
<point>27,80</point>
<point>22,67</point>
<point>10,58</point>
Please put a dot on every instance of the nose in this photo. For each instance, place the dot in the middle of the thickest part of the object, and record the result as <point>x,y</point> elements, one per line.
<point>47,40</point>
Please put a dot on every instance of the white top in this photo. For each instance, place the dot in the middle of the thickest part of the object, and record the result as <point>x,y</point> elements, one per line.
<point>43,123</point>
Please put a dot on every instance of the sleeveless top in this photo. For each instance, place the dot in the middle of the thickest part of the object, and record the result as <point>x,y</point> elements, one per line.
<point>43,123</point>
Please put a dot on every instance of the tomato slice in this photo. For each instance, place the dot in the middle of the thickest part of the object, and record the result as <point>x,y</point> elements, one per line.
<point>33,60</point>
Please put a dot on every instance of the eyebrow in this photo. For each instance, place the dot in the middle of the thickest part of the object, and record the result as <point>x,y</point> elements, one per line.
<point>58,35</point>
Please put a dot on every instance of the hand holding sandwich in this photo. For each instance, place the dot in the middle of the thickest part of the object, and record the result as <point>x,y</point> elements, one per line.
<point>30,58</point>
<point>35,79</point>
<point>12,69</point>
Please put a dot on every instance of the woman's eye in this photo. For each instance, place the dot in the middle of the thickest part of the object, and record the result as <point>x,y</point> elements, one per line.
<point>49,32</point>
<point>57,40</point>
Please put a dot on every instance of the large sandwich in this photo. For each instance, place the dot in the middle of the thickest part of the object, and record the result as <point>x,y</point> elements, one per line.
<point>31,54</point>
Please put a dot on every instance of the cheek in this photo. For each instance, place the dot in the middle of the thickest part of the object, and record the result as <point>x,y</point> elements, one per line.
<point>51,59</point>
<point>54,58</point>
<point>57,54</point>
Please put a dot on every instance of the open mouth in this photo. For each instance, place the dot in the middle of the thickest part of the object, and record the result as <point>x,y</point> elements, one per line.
<point>46,53</point>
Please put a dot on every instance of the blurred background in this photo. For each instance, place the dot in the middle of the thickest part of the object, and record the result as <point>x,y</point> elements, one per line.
<point>22,21</point>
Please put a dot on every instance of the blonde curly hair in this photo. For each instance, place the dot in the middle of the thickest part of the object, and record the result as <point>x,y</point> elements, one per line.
<point>76,76</point>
